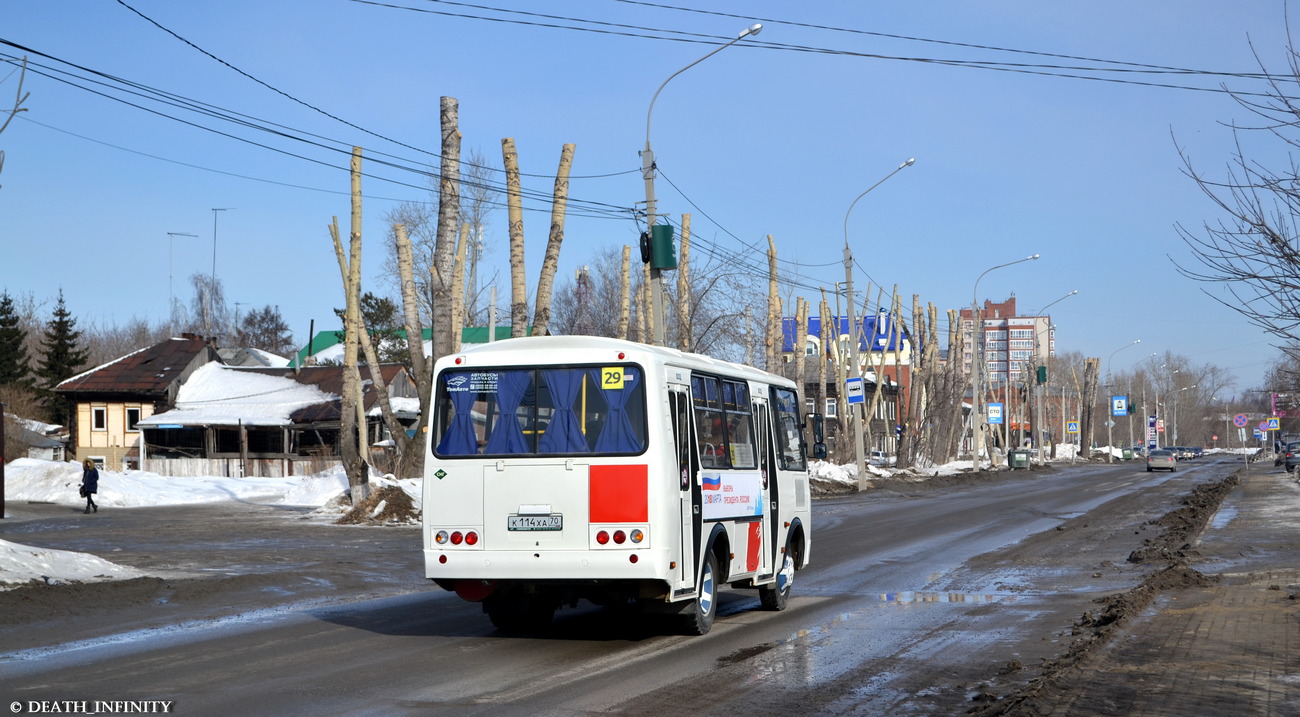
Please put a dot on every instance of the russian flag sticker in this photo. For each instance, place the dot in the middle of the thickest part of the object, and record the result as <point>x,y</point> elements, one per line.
<point>712,482</point>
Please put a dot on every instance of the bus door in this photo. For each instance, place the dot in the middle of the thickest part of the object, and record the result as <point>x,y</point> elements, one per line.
<point>771,515</point>
<point>688,487</point>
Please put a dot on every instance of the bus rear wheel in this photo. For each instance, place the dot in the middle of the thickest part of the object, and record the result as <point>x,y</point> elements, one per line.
<point>777,595</point>
<point>698,618</point>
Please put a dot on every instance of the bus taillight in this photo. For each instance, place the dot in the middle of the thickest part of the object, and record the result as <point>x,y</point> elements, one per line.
<point>619,537</point>
<point>471,538</point>
<point>637,536</point>
<point>602,537</point>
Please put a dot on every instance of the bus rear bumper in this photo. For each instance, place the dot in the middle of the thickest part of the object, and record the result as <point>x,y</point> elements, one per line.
<point>555,565</point>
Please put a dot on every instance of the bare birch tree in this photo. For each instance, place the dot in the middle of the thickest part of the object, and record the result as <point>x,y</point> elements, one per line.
<point>448,228</point>
<point>624,297</point>
<point>683,302</point>
<point>772,326</point>
<point>515,213</point>
<point>546,281</point>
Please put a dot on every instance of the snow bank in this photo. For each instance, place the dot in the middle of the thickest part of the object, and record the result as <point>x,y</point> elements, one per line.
<point>29,480</point>
<point>20,564</point>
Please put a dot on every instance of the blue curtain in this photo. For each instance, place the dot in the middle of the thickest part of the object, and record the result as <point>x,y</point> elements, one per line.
<point>459,440</point>
<point>507,436</point>
<point>617,436</point>
<point>564,433</point>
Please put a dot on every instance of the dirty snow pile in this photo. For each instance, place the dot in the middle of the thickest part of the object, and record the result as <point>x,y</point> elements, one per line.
<point>29,480</point>
<point>21,564</point>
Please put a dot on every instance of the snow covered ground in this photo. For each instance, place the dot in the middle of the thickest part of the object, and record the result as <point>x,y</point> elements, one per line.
<point>30,480</point>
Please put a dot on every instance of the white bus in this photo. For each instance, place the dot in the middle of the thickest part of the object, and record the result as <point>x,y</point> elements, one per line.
<point>575,467</point>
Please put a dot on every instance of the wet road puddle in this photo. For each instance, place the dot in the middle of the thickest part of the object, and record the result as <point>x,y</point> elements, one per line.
<point>908,596</point>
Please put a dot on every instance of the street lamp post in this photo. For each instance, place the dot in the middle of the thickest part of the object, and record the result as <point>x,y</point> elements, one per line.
<point>648,173</point>
<point>1047,362</point>
<point>860,451</point>
<point>1175,411</point>
<point>1110,417</point>
<point>171,312</point>
<point>977,358</point>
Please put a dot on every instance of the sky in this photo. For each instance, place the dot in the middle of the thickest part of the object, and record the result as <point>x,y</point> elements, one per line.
<point>775,135</point>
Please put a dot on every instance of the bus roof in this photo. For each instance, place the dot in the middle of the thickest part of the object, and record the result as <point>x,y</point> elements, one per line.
<point>593,349</point>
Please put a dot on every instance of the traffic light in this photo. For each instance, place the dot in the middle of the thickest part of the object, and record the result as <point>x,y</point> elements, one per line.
<point>657,247</point>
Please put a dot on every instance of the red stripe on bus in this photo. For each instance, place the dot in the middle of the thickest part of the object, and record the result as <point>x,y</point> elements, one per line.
<point>619,494</point>
<point>755,542</point>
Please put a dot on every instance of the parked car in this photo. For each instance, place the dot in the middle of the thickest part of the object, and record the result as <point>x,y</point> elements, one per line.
<point>880,458</point>
<point>1163,459</point>
<point>1291,456</point>
<point>1198,451</point>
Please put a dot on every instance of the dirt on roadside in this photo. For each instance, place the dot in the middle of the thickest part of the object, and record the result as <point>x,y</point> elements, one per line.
<point>1167,554</point>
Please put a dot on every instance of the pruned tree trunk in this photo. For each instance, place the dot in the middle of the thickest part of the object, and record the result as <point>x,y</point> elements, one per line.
<point>515,214</point>
<point>545,283</point>
<point>350,440</point>
<point>749,340</point>
<point>397,430</point>
<point>448,229</point>
<point>624,297</point>
<point>772,326</point>
<point>1088,399</point>
<point>410,450</point>
<point>800,339</point>
<point>458,290</point>
<point>647,315</point>
<point>684,327</point>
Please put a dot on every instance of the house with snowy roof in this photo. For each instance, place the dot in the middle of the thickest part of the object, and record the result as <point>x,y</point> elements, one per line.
<point>108,402</point>
<point>268,422</point>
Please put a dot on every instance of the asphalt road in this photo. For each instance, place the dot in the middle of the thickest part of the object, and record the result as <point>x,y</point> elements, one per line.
<point>919,599</point>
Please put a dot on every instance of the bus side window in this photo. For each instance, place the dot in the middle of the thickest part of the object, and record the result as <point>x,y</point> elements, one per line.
<point>683,437</point>
<point>709,422</point>
<point>789,437</point>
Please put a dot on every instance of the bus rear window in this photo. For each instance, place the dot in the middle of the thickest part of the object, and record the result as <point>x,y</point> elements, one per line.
<point>540,411</point>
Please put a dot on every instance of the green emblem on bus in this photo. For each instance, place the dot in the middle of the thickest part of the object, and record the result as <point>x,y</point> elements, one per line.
<point>441,474</point>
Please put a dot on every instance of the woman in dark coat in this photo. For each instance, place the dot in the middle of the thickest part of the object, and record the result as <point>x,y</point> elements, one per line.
<point>90,484</point>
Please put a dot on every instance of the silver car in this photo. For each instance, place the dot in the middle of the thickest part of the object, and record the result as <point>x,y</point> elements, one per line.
<point>1162,460</point>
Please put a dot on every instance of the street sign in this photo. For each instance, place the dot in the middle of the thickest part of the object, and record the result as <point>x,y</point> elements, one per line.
<point>995,413</point>
<point>1259,433</point>
<point>853,391</point>
<point>1072,427</point>
<point>1263,426</point>
<point>1119,405</point>
<point>1240,420</point>
<point>1152,439</point>
<point>1273,424</point>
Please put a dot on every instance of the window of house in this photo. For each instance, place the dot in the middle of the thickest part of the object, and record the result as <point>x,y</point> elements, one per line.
<point>832,408</point>
<point>99,418</point>
<point>132,419</point>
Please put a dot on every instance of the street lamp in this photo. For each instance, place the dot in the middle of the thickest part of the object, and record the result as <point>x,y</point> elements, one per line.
<point>1110,417</point>
<point>977,358</point>
<point>1047,362</point>
<point>853,332</point>
<point>171,312</point>
<point>648,172</point>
